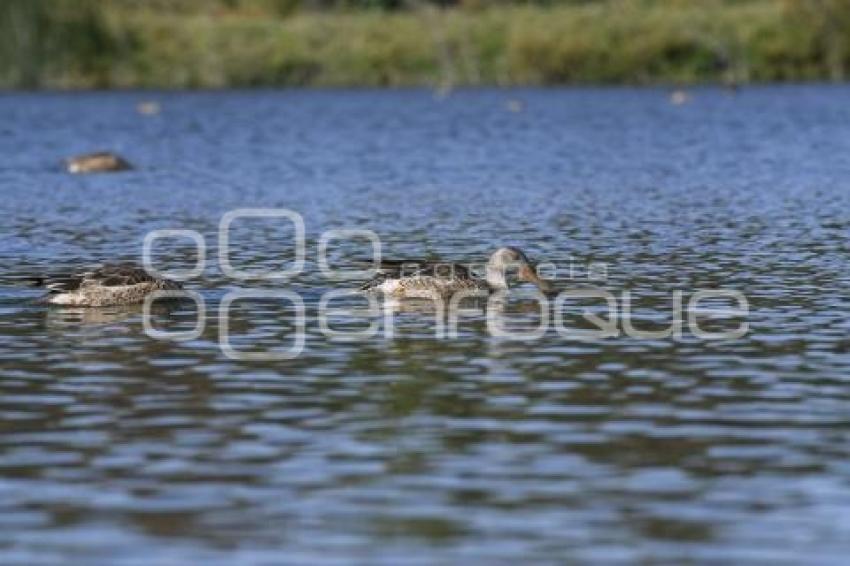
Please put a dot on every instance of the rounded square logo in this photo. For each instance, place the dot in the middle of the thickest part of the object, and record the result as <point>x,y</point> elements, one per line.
<point>349,234</point>
<point>274,213</point>
<point>181,336</point>
<point>300,324</point>
<point>200,248</point>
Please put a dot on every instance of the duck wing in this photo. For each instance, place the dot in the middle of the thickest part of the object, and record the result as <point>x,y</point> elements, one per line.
<point>116,275</point>
<point>107,275</point>
<point>404,268</point>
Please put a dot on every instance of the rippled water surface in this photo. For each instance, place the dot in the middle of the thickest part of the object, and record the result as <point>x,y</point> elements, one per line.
<point>116,447</point>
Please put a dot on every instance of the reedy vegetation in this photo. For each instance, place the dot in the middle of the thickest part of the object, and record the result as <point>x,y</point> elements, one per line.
<point>245,43</point>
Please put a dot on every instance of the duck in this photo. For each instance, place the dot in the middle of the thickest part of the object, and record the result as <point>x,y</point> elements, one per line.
<point>679,97</point>
<point>104,286</point>
<point>98,162</point>
<point>429,279</point>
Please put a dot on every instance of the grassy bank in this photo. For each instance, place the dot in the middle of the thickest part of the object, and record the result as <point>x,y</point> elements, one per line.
<point>187,44</point>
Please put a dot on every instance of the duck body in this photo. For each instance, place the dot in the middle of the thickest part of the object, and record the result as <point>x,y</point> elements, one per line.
<point>99,162</point>
<point>428,279</point>
<point>417,279</point>
<point>108,285</point>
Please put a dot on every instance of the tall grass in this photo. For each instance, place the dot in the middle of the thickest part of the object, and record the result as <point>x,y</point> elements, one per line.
<point>244,43</point>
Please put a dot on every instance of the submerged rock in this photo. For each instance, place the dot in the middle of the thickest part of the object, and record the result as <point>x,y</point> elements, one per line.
<point>102,161</point>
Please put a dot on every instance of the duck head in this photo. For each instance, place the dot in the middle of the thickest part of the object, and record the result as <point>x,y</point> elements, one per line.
<point>509,258</point>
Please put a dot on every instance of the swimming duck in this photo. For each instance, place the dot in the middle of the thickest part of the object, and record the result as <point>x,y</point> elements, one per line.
<point>98,162</point>
<point>430,279</point>
<point>679,97</point>
<point>108,285</point>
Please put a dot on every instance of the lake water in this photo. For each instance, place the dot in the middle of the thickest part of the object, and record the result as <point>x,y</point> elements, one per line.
<point>120,448</point>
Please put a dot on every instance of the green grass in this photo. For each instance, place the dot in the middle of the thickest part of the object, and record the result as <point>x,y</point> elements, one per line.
<point>69,44</point>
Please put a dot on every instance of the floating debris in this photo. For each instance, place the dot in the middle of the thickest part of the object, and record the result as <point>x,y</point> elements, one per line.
<point>679,97</point>
<point>148,108</point>
<point>515,105</point>
<point>98,162</point>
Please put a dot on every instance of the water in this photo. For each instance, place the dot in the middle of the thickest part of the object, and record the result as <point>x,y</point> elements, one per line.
<point>119,448</point>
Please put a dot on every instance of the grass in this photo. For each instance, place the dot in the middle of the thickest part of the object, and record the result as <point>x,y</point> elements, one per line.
<point>68,44</point>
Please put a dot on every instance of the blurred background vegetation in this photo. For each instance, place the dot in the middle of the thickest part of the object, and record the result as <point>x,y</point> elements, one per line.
<point>439,43</point>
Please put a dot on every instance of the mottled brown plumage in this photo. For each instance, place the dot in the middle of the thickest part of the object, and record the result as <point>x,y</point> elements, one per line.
<point>108,285</point>
<point>99,162</point>
<point>429,279</point>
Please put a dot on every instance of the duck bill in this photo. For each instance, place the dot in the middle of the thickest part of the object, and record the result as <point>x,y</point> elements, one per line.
<point>529,275</point>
